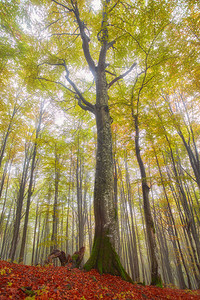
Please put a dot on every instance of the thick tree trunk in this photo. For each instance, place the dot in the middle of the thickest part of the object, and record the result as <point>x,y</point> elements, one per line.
<point>103,256</point>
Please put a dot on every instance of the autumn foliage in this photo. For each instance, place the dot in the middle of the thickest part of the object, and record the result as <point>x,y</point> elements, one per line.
<point>49,282</point>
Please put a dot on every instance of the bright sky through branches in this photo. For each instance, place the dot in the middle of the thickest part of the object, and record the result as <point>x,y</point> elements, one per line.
<point>96,4</point>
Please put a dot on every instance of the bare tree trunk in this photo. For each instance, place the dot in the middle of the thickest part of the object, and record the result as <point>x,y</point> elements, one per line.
<point>133,234</point>
<point>36,258</point>
<point>79,178</point>
<point>129,225</point>
<point>8,131</point>
<point>6,191</point>
<point>6,234</point>
<point>54,237</point>
<point>34,235</point>
<point>118,248</point>
<point>20,199</point>
<point>30,188</point>
<point>150,229</point>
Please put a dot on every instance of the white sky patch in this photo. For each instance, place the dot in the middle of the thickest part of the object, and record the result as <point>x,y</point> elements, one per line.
<point>84,74</point>
<point>96,4</point>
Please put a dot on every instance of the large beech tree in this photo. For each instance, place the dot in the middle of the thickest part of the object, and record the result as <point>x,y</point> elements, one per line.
<point>103,256</point>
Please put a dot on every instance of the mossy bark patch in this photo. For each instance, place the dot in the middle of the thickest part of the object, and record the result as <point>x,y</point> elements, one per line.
<point>105,259</point>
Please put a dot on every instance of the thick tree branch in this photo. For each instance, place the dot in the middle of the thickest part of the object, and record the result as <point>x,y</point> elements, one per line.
<point>84,37</point>
<point>83,106</point>
<point>86,103</point>
<point>110,73</point>
<point>111,44</point>
<point>85,41</point>
<point>122,75</point>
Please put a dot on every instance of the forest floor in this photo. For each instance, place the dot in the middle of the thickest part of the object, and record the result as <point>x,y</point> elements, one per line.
<point>19,281</point>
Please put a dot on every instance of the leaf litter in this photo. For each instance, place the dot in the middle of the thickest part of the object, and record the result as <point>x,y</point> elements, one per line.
<point>18,281</point>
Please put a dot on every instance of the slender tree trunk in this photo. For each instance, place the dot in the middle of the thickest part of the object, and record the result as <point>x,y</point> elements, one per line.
<point>79,178</point>
<point>164,251</point>
<point>5,234</point>
<point>190,143</point>
<point>34,235</point>
<point>89,225</point>
<point>133,234</point>
<point>20,200</point>
<point>54,237</point>
<point>8,131</point>
<point>5,196</point>
<point>155,277</point>
<point>129,225</point>
<point>148,268</point>
<point>69,200</point>
<point>173,234</point>
<point>4,142</point>
<point>30,188</point>
<point>3,178</point>
<point>118,248</point>
<point>37,254</point>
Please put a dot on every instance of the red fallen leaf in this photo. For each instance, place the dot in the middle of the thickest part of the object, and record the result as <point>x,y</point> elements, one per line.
<point>60,283</point>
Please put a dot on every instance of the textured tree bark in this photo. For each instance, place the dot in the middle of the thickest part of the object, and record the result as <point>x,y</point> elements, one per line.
<point>77,257</point>
<point>61,255</point>
<point>103,256</point>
